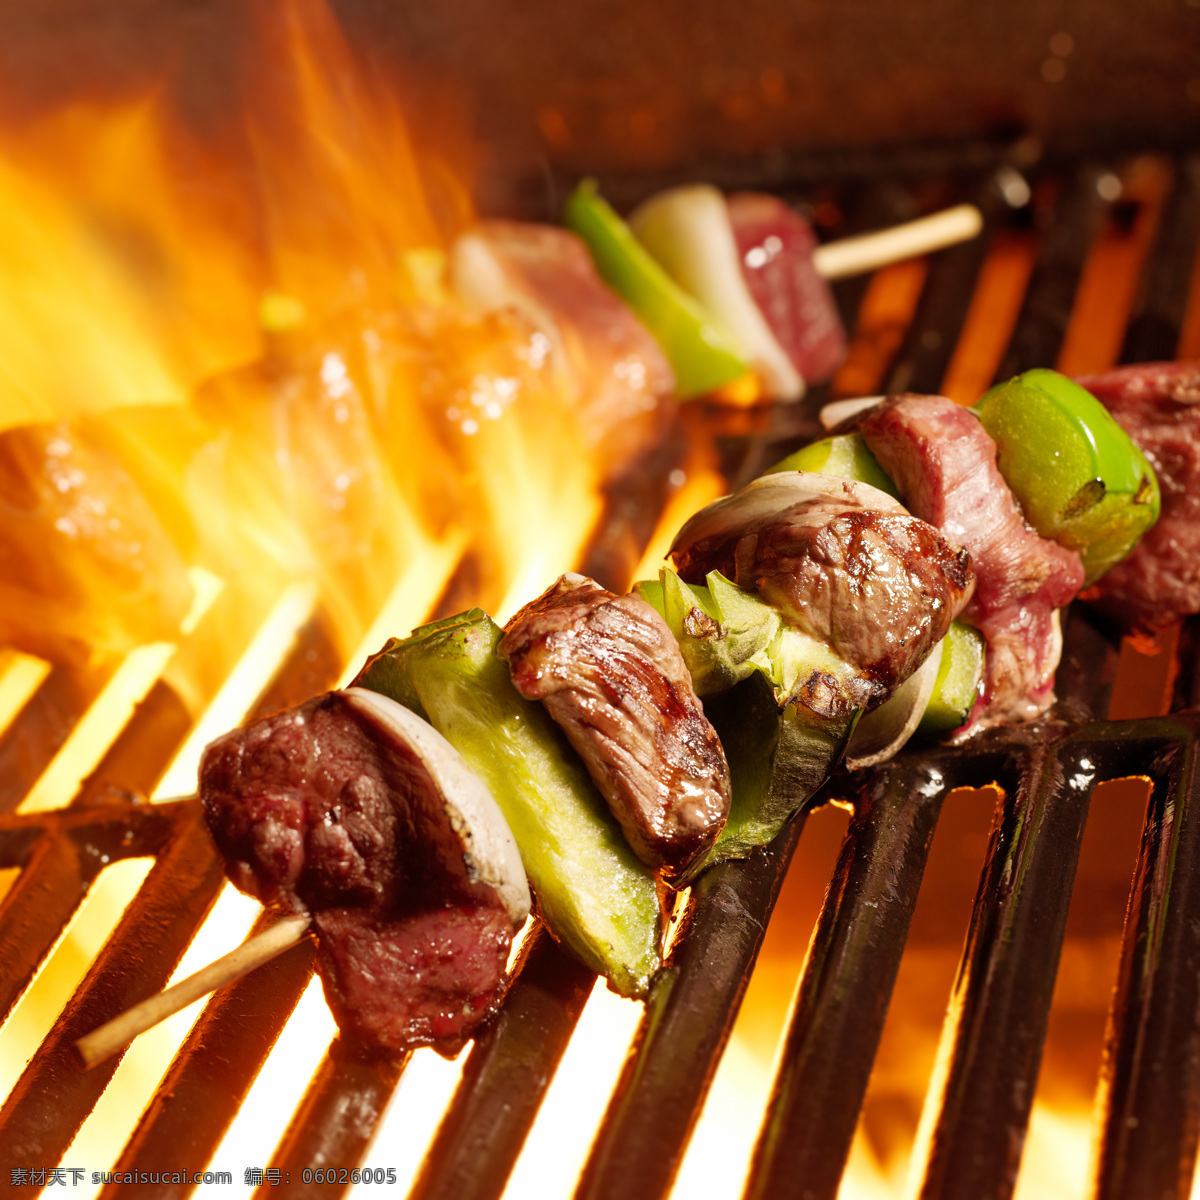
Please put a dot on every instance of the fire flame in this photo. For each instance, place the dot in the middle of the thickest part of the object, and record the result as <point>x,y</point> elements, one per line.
<point>252,327</point>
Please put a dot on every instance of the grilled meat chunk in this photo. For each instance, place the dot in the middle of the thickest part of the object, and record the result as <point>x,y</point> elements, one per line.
<point>776,247</point>
<point>353,809</point>
<point>944,464</point>
<point>611,675</point>
<point>86,561</point>
<point>608,362</point>
<point>842,562</point>
<point>1158,405</point>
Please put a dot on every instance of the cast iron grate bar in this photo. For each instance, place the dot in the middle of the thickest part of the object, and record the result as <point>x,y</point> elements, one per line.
<point>688,1018</point>
<point>1001,999</point>
<point>1150,1086</point>
<point>214,1069</point>
<point>336,1120</point>
<point>847,981</point>
<point>1161,302</point>
<point>43,724</point>
<point>506,1076</point>
<point>1050,296</point>
<point>54,1096</point>
<point>929,344</point>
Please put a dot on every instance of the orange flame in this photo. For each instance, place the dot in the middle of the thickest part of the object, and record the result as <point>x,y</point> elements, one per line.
<point>250,330</point>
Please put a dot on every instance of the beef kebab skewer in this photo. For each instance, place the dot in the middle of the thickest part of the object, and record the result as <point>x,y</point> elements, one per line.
<point>613,677</point>
<point>521,306</point>
<point>735,288</point>
<point>859,592</point>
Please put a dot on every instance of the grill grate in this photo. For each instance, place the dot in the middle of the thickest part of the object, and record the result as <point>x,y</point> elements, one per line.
<point>980,1105</point>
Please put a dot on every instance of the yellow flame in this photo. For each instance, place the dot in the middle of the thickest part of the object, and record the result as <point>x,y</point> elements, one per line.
<point>98,728</point>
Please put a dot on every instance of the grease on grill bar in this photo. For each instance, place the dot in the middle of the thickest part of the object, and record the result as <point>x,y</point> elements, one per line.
<point>978,1108</point>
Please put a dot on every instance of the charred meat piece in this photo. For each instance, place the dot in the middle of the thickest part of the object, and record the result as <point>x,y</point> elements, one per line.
<point>607,359</point>
<point>842,562</point>
<point>944,464</point>
<point>353,809</point>
<point>1158,405</point>
<point>611,675</point>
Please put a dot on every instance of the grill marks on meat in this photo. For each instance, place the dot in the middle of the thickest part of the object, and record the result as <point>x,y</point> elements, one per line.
<point>323,809</point>
<point>944,464</point>
<point>611,675</point>
<point>842,562</point>
<point>1158,405</point>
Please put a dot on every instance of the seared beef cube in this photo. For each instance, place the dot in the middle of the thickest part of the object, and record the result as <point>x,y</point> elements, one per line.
<point>1158,405</point>
<point>841,562</point>
<point>944,464</point>
<point>612,676</point>
<point>352,808</point>
<point>422,978</point>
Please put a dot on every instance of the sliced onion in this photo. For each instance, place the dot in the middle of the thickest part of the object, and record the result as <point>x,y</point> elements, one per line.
<point>687,230</point>
<point>489,850</point>
<point>882,733</point>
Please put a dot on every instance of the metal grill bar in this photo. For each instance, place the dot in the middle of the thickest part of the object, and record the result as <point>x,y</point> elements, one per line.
<point>1161,303</point>
<point>1001,1000</point>
<point>937,323</point>
<point>1150,1087</point>
<point>54,1096</point>
<point>506,1077</point>
<point>688,1018</point>
<point>336,1119</point>
<point>1050,297</point>
<point>220,1058</point>
<point>847,982</point>
<point>42,726</point>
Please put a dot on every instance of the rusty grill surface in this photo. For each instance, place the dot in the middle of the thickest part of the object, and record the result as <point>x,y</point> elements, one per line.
<point>1149,1104</point>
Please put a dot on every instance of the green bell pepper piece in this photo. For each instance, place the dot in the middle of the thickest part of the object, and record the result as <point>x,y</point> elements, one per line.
<point>593,893</point>
<point>777,761</point>
<point>959,678</point>
<point>845,456</point>
<point>726,634</point>
<point>702,357</point>
<point>1076,473</point>
<point>752,670</point>
<point>721,644</point>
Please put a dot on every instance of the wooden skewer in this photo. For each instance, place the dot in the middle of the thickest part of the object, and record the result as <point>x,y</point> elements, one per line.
<point>112,1036</point>
<point>857,255</point>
